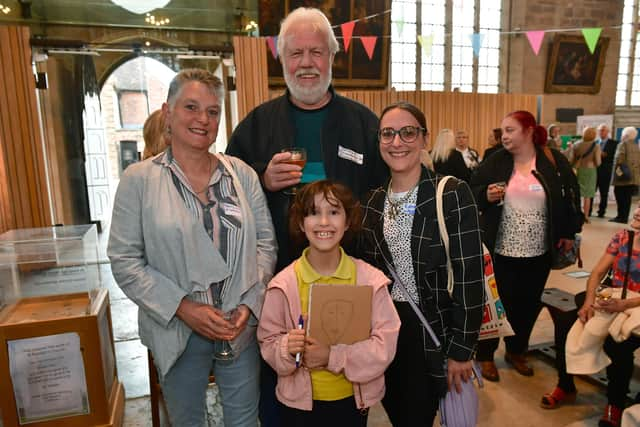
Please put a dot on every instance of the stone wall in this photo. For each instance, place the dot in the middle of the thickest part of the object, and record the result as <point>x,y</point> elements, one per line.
<point>525,72</point>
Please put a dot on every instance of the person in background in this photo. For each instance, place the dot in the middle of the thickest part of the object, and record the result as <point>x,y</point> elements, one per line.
<point>338,134</point>
<point>400,231</point>
<point>494,141</point>
<point>553,137</point>
<point>554,141</point>
<point>626,173</point>
<point>446,159</point>
<point>519,194</point>
<point>470,156</point>
<point>191,240</point>
<point>333,385</point>
<point>586,154</point>
<point>608,150</point>
<point>154,134</point>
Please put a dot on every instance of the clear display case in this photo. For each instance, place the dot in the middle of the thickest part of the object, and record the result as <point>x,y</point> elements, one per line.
<point>48,261</point>
<point>57,358</point>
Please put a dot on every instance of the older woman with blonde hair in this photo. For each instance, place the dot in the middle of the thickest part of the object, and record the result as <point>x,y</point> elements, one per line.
<point>192,244</point>
<point>446,159</point>
<point>626,173</point>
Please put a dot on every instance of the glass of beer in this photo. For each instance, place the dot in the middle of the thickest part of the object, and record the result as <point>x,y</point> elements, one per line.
<point>298,157</point>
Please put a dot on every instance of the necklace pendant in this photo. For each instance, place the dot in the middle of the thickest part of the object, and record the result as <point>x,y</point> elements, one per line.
<point>393,212</point>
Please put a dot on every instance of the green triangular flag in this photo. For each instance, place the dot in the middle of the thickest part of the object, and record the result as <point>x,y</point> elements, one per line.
<point>591,36</point>
<point>400,25</point>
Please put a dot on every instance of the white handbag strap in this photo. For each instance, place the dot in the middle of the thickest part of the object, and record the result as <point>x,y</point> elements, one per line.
<point>442,226</point>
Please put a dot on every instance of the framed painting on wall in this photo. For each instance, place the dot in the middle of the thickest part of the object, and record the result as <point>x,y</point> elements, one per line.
<point>352,69</point>
<point>572,67</point>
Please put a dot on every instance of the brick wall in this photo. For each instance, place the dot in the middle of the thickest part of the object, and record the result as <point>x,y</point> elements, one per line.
<point>157,93</point>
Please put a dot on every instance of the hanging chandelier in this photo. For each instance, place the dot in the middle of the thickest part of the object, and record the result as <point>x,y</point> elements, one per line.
<point>139,7</point>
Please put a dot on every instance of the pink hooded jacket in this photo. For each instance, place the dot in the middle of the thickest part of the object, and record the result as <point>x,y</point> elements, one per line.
<point>363,363</point>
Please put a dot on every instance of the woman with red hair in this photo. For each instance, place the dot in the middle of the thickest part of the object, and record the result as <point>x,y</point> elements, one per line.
<point>523,223</point>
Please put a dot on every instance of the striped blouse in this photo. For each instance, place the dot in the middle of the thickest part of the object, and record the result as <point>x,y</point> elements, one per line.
<point>220,217</point>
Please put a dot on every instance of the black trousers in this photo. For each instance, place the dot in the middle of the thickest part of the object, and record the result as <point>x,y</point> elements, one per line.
<point>520,284</point>
<point>561,327</point>
<point>604,182</point>
<point>411,398</point>
<point>337,413</point>
<point>269,408</point>
<point>621,368</point>
<point>623,199</point>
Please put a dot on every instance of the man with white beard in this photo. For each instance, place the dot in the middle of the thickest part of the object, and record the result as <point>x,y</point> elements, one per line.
<point>339,135</point>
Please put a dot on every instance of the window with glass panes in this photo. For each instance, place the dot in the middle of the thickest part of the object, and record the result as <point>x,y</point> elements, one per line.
<point>447,26</point>
<point>628,87</point>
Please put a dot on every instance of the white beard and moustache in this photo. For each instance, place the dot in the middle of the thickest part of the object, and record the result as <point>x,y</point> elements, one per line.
<point>308,95</point>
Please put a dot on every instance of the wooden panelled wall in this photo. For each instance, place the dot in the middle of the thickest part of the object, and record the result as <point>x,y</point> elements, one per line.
<point>24,200</point>
<point>252,85</point>
<point>477,113</point>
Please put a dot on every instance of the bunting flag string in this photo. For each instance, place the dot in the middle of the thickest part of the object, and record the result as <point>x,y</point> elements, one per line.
<point>535,40</point>
<point>476,43</point>
<point>273,46</point>
<point>535,37</point>
<point>347,32</point>
<point>591,36</point>
<point>427,43</point>
<point>369,43</point>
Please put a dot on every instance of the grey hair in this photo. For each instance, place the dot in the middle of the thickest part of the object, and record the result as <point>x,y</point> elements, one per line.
<point>312,16</point>
<point>195,75</point>
<point>629,134</point>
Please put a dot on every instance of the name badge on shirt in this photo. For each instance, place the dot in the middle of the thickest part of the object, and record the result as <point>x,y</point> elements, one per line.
<point>409,208</point>
<point>350,155</point>
<point>535,187</point>
<point>231,210</point>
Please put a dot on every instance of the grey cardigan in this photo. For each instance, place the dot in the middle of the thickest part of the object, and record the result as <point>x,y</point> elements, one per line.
<point>160,253</point>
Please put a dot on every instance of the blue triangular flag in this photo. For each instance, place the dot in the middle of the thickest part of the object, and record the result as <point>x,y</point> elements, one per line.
<point>476,42</point>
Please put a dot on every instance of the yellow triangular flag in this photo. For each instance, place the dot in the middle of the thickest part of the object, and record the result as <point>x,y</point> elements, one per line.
<point>426,42</point>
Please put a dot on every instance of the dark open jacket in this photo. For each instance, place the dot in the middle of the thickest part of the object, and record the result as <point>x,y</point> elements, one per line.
<point>499,167</point>
<point>455,320</point>
<point>349,147</point>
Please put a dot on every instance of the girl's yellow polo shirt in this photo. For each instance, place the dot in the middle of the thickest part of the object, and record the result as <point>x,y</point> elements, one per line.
<point>325,385</point>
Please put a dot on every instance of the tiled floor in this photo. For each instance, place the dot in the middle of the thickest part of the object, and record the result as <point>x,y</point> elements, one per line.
<point>514,401</point>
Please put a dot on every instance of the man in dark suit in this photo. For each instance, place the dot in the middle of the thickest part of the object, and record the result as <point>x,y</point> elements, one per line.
<point>608,149</point>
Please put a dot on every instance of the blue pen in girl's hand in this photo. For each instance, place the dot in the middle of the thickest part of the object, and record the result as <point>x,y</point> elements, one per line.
<point>300,326</point>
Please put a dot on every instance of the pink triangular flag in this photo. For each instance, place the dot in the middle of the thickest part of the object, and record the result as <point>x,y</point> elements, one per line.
<point>369,43</point>
<point>273,45</point>
<point>347,32</point>
<point>535,40</point>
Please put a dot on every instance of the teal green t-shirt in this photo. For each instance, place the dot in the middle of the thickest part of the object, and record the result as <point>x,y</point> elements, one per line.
<point>308,135</point>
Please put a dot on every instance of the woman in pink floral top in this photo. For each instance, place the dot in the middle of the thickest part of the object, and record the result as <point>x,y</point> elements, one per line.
<point>621,354</point>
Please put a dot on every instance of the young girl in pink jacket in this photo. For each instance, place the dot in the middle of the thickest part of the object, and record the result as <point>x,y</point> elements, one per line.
<point>330,385</point>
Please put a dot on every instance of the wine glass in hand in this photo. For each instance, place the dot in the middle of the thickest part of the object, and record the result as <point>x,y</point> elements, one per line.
<point>502,186</point>
<point>221,348</point>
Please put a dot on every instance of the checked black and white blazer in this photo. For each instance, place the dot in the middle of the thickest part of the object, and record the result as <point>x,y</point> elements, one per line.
<point>456,320</point>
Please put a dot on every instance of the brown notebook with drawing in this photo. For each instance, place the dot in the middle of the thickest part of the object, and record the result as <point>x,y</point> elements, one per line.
<point>339,314</point>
